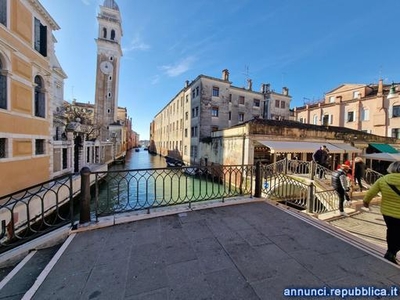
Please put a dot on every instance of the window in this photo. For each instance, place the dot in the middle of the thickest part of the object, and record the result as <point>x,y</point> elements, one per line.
<point>40,105</point>
<point>187,98</point>
<point>40,38</point>
<point>241,117</point>
<point>195,112</point>
<point>256,102</point>
<point>112,34</point>
<point>396,111</point>
<point>332,99</point>
<point>241,99</point>
<point>194,131</point>
<point>197,91</point>
<point>193,93</point>
<point>395,133</point>
<point>277,103</point>
<point>64,158</point>
<point>3,148</point>
<point>214,112</point>
<point>230,115</point>
<point>350,116</point>
<point>283,104</point>
<point>193,151</point>
<point>364,114</point>
<point>215,91</point>
<point>214,128</point>
<point>3,88</point>
<point>104,33</point>
<point>325,120</point>
<point>186,115</point>
<point>186,131</point>
<point>39,147</point>
<point>315,120</point>
<point>185,150</point>
<point>356,95</point>
<point>3,12</point>
<point>230,98</point>
<point>302,120</point>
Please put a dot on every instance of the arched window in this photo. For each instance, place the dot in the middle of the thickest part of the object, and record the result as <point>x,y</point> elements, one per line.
<point>105,33</point>
<point>315,120</point>
<point>3,87</point>
<point>113,34</point>
<point>40,102</point>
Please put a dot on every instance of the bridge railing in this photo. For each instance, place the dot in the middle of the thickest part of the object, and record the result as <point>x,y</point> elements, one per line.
<point>145,189</point>
<point>32,212</point>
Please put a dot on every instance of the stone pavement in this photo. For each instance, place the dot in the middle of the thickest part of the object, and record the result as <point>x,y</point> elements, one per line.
<point>246,251</point>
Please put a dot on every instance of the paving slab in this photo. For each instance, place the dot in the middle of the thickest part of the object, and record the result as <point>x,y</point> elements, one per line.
<point>245,251</point>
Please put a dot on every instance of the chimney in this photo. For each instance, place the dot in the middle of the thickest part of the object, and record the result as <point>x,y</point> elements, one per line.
<point>285,91</point>
<point>380,88</point>
<point>265,88</point>
<point>186,83</point>
<point>225,75</point>
<point>249,84</point>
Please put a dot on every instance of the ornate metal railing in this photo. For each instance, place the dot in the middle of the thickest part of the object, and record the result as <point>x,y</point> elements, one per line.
<point>145,189</point>
<point>371,176</point>
<point>34,211</point>
<point>285,189</point>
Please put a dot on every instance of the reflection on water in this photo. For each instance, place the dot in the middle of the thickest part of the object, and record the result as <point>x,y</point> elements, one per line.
<point>141,160</point>
<point>142,185</point>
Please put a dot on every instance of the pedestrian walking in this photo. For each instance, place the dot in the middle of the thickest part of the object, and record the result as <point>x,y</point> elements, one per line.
<point>359,172</point>
<point>321,157</point>
<point>339,183</point>
<point>389,187</point>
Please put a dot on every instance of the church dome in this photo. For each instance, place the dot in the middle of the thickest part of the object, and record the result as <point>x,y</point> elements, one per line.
<point>111,4</point>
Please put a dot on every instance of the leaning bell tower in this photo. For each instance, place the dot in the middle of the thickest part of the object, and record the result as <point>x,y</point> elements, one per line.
<point>109,55</point>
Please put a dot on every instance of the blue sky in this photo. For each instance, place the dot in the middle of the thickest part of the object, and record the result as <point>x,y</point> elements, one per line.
<point>309,46</point>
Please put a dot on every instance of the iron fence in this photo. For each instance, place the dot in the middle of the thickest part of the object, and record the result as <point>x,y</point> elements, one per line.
<point>34,211</point>
<point>144,189</point>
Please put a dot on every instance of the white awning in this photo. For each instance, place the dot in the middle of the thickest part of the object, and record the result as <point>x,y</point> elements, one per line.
<point>346,147</point>
<point>298,147</point>
<point>382,156</point>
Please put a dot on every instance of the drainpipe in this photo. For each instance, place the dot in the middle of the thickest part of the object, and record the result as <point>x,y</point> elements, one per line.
<point>243,156</point>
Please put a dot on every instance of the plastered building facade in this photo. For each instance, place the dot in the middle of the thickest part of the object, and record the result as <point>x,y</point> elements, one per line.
<point>208,104</point>
<point>357,106</point>
<point>31,80</point>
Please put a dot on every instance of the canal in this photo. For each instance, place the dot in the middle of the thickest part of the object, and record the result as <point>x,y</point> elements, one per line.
<point>140,160</point>
<point>144,182</point>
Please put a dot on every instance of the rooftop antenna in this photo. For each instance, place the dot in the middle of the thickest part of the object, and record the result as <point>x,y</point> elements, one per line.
<point>246,74</point>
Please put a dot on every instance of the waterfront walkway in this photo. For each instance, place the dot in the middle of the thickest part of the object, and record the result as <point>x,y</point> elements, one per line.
<point>253,250</point>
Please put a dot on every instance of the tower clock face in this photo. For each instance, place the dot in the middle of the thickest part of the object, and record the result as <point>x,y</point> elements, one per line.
<point>106,67</point>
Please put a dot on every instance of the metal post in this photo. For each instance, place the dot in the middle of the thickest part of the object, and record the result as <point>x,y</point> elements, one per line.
<point>313,168</point>
<point>258,179</point>
<point>84,203</point>
<point>310,198</point>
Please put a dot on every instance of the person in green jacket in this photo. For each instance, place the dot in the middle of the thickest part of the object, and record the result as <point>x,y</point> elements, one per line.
<point>389,186</point>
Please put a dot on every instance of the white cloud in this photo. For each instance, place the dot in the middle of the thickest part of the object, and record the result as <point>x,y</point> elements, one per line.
<point>136,44</point>
<point>179,68</point>
<point>86,2</point>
